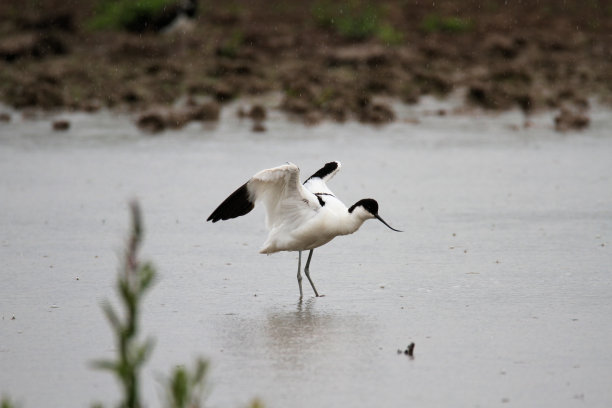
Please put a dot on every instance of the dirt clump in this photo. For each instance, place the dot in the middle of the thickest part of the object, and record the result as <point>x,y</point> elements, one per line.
<point>61,125</point>
<point>31,45</point>
<point>571,119</point>
<point>160,118</point>
<point>377,113</point>
<point>257,112</point>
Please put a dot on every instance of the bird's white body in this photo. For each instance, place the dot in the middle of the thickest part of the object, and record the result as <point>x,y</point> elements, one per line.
<point>314,231</point>
<point>299,216</point>
<point>296,219</point>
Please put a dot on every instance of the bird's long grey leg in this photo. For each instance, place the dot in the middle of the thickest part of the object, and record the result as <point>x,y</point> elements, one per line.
<point>307,272</point>
<point>299,274</point>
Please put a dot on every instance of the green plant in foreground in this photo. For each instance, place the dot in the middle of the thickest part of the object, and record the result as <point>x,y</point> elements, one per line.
<point>6,403</point>
<point>184,388</point>
<point>134,280</point>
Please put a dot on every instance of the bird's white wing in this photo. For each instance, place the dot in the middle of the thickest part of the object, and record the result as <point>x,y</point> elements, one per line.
<point>279,189</point>
<point>317,183</point>
<point>285,199</point>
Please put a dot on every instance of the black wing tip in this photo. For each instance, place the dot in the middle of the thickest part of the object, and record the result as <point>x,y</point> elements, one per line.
<point>237,204</point>
<point>326,170</point>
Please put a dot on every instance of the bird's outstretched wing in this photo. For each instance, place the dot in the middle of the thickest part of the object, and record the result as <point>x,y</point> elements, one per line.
<point>317,183</point>
<point>237,204</point>
<point>279,188</point>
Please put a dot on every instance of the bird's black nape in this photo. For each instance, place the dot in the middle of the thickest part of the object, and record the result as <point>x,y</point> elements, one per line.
<point>237,204</point>
<point>369,204</point>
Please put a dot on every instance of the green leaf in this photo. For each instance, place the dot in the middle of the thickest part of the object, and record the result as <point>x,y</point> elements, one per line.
<point>185,387</point>
<point>147,276</point>
<point>143,351</point>
<point>179,388</point>
<point>200,371</point>
<point>7,403</point>
<point>111,316</point>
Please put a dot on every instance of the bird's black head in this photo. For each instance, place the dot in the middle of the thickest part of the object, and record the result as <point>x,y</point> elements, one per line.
<point>371,206</point>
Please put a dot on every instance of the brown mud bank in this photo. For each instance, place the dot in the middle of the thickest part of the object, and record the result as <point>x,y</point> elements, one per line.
<point>328,66</point>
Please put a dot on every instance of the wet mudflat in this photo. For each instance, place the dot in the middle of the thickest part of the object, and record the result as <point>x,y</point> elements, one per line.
<point>502,277</point>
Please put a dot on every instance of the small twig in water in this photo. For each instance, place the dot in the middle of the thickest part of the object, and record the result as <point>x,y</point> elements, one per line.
<point>410,350</point>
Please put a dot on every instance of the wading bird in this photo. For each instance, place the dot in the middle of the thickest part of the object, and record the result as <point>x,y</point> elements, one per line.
<point>300,216</point>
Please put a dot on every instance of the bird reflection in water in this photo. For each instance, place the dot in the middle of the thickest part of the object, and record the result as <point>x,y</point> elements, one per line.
<point>308,335</point>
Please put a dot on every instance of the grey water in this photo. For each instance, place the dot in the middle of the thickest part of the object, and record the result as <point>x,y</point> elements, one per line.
<point>502,278</point>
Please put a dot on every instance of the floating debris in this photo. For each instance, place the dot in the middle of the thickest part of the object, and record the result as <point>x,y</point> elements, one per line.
<point>409,351</point>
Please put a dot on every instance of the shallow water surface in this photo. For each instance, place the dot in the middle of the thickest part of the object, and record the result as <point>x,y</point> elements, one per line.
<point>502,277</point>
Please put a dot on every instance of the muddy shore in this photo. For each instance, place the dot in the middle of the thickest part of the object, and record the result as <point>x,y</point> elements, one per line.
<point>535,57</point>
